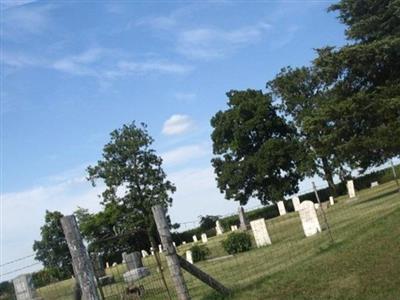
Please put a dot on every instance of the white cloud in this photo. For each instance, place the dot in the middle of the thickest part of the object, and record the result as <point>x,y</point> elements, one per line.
<point>185,153</point>
<point>177,124</point>
<point>208,43</point>
<point>159,22</point>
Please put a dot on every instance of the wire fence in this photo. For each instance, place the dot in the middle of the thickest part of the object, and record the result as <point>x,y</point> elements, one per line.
<point>144,274</point>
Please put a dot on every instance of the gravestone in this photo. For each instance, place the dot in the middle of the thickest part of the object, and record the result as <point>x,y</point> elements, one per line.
<point>189,256</point>
<point>331,201</point>
<point>296,203</point>
<point>124,257</point>
<point>219,228</point>
<point>350,189</point>
<point>107,265</point>
<point>173,243</point>
<point>135,268</point>
<point>374,184</point>
<point>23,287</point>
<point>160,249</point>
<point>195,240</point>
<point>309,218</point>
<point>281,208</point>
<point>204,238</point>
<point>183,243</point>
<point>152,250</point>
<point>114,264</point>
<point>244,224</point>
<point>234,228</point>
<point>260,232</point>
<point>316,205</point>
<point>144,253</point>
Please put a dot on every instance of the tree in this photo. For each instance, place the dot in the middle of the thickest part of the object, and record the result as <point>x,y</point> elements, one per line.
<point>52,250</point>
<point>257,151</point>
<point>364,76</point>
<point>134,178</point>
<point>304,98</point>
<point>208,222</point>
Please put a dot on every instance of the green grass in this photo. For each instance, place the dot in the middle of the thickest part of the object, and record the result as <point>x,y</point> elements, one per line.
<point>362,263</point>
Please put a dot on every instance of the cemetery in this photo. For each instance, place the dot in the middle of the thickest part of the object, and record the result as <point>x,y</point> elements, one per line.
<point>295,260</point>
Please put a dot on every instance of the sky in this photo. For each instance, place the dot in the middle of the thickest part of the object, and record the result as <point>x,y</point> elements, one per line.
<point>73,71</point>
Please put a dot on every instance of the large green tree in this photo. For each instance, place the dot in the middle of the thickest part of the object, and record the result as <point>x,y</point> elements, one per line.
<point>52,250</point>
<point>257,153</point>
<point>364,78</point>
<point>134,178</point>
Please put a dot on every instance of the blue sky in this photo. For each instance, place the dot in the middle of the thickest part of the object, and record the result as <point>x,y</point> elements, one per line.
<point>72,71</point>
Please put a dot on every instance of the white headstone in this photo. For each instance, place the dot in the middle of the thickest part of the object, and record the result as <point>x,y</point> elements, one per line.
<point>160,249</point>
<point>173,243</point>
<point>114,264</point>
<point>152,250</point>
<point>316,205</point>
<point>189,256</point>
<point>219,228</point>
<point>374,184</point>
<point>195,239</point>
<point>309,218</point>
<point>350,189</point>
<point>296,203</point>
<point>23,287</point>
<point>281,208</point>
<point>331,202</point>
<point>183,243</point>
<point>260,232</point>
<point>107,265</point>
<point>144,253</point>
<point>204,238</point>
<point>234,227</point>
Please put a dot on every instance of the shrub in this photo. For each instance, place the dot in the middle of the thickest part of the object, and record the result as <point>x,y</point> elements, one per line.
<point>199,252</point>
<point>237,242</point>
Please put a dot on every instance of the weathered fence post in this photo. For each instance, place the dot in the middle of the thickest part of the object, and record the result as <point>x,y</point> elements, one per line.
<point>81,262</point>
<point>170,254</point>
<point>322,210</point>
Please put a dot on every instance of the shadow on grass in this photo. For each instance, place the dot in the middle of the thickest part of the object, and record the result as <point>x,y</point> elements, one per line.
<point>379,196</point>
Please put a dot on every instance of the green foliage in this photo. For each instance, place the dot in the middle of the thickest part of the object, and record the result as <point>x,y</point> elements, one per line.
<point>134,178</point>
<point>47,276</point>
<point>237,242</point>
<point>208,222</point>
<point>52,250</point>
<point>199,252</point>
<point>7,290</point>
<point>257,151</point>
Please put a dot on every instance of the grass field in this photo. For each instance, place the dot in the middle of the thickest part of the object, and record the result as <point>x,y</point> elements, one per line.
<point>363,262</point>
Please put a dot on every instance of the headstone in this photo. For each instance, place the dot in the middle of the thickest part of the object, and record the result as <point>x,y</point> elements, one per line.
<point>195,239</point>
<point>374,184</point>
<point>260,232</point>
<point>144,253</point>
<point>331,201</point>
<point>124,257</point>
<point>23,287</point>
<point>160,249</point>
<point>219,228</point>
<point>114,264</point>
<point>316,205</point>
<point>183,243</point>
<point>173,243</point>
<point>350,189</point>
<point>204,238</point>
<point>189,256</point>
<point>133,261</point>
<point>152,250</point>
<point>244,224</point>
<point>234,228</point>
<point>296,203</point>
<point>107,265</point>
<point>136,274</point>
<point>281,208</point>
<point>309,218</point>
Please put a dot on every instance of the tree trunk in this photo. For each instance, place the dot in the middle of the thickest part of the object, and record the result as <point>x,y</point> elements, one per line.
<point>328,174</point>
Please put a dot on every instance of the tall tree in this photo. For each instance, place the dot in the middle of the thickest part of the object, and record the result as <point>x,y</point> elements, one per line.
<point>257,153</point>
<point>133,176</point>
<point>52,250</point>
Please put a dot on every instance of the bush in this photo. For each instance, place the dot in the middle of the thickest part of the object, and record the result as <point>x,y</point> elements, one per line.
<point>237,242</point>
<point>199,252</point>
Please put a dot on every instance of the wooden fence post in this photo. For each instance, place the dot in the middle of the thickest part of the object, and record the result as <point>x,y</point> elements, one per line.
<point>81,262</point>
<point>170,254</point>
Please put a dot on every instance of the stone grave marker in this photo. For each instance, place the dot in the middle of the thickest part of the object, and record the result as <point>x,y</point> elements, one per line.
<point>309,218</point>
<point>316,205</point>
<point>281,208</point>
<point>204,238</point>
<point>144,253</point>
<point>260,232</point>
<point>189,256</point>
<point>374,184</point>
<point>350,189</point>
<point>160,248</point>
<point>219,228</point>
<point>135,268</point>
<point>234,228</point>
<point>331,201</point>
<point>195,240</point>
<point>244,224</point>
<point>23,287</point>
<point>296,203</point>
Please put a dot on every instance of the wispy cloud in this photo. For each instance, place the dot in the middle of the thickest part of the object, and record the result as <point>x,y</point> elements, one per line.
<point>183,154</point>
<point>185,96</point>
<point>208,43</point>
<point>5,4</point>
<point>157,22</point>
<point>177,124</point>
